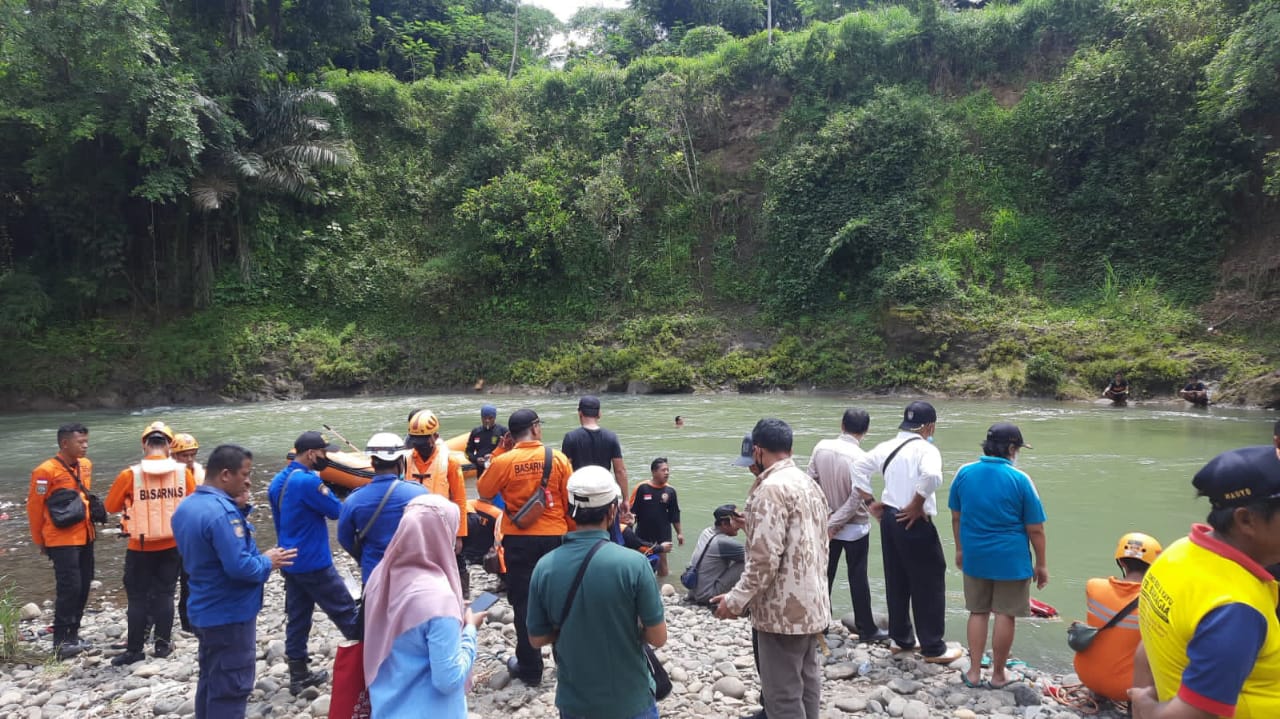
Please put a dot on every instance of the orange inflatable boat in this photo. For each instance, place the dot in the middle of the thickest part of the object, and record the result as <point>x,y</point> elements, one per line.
<point>349,470</point>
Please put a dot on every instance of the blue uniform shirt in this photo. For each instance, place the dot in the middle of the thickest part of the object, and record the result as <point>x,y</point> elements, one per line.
<point>361,505</point>
<point>227,570</point>
<point>300,523</point>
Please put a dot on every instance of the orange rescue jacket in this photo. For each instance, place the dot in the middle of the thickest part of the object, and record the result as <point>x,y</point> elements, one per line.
<point>148,493</point>
<point>1106,667</point>
<point>50,476</point>
<point>517,474</point>
<point>441,474</point>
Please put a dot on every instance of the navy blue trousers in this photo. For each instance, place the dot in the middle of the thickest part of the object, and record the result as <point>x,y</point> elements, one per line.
<point>227,656</point>
<point>302,592</point>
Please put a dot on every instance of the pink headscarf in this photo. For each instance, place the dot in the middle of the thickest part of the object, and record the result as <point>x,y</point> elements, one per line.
<point>416,580</point>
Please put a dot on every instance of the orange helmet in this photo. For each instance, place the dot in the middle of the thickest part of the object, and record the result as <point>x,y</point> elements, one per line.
<point>423,423</point>
<point>1139,546</point>
<point>157,428</point>
<point>183,442</point>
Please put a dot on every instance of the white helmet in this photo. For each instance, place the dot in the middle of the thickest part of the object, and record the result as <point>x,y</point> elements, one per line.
<point>592,487</point>
<point>385,446</point>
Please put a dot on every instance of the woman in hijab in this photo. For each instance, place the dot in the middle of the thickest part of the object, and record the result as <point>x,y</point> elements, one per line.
<point>420,639</point>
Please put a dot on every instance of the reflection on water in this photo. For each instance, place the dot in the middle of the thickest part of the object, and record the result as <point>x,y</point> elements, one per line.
<point>1101,471</point>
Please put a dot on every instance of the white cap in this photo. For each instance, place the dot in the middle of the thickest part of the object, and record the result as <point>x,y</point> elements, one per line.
<point>592,487</point>
<point>385,446</point>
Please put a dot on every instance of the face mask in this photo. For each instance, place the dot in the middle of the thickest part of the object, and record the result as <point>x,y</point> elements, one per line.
<point>321,463</point>
<point>929,439</point>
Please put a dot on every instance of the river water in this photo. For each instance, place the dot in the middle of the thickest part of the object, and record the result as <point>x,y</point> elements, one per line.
<point>1101,471</point>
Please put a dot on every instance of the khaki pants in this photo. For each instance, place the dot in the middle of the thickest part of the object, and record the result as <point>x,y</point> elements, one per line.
<point>790,676</point>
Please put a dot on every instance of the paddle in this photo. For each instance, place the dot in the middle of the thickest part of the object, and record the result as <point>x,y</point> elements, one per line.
<point>344,439</point>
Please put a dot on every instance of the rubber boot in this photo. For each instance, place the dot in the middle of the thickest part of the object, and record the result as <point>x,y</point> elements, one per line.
<point>300,677</point>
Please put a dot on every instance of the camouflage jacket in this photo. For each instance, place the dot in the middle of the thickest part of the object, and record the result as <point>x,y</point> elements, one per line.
<point>784,584</point>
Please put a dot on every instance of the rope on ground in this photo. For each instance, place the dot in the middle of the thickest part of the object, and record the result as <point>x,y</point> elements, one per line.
<point>1075,696</point>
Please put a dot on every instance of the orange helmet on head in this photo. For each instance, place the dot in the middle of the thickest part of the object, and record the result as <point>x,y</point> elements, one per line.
<point>183,442</point>
<point>157,428</point>
<point>423,423</point>
<point>1139,546</point>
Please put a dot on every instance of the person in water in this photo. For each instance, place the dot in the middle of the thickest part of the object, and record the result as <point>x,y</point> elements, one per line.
<point>1195,391</point>
<point>1118,389</point>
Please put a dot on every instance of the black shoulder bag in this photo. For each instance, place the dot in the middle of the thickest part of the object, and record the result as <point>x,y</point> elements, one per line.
<point>1081,635</point>
<point>360,533</point>
<point>65,506</point>
<point>689,577</point>
<point>661,680</point>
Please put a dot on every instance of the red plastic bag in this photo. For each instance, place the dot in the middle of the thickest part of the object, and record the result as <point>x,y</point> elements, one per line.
<point>350,696</point>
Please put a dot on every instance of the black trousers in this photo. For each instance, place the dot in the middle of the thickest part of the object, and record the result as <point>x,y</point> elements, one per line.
<point>150,579</point>
<point>855,554</point>
<point>72,574</point>
<point>522,554</point>
<point>226,660</point>
<point>915,582</point>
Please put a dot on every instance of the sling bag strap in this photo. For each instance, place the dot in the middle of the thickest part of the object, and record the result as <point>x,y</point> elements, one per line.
<point>546,466</point>
<point>75,473</point>
<point>372,518</point>
<point>84,492</point>
<point>577,582</point>
<point>698,564</point>
<point>1125,611</point>
<point>895,452</point>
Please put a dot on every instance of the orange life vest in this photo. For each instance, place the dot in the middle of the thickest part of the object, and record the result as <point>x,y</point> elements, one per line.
<point>435,475</point>
<point>158,486</point>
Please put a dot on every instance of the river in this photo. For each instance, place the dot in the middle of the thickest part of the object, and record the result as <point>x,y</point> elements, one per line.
<point>1101,471</point>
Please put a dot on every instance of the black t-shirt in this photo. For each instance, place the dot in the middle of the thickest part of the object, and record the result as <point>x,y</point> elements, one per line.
<point>1194,387</point>
<point>483,441</point>
<point>1121,386</point>
<point>591,447</point>
<point>656,510</point>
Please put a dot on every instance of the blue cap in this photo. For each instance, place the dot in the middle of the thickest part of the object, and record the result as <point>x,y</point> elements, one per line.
<point>488,411</point>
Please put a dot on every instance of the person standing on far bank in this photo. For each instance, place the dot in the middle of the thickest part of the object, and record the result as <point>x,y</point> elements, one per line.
<point>783,583</point>
<point>148,493</point>
<point>227,572</point>
<point>915,568</point>
<point>849,524</point>
<point>69,548</point>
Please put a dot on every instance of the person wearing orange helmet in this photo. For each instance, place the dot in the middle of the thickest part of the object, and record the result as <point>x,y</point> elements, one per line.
<point>147,494</point>
<point>1106,667</point>
<point>430,463</point>
<point>185,449</point>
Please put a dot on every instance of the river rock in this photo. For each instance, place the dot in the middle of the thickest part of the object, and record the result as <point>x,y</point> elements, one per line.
<point>167,705</point>
<point>730,687</point>
<point>320,707</point>
<point>902,685</point>
<point>964,714</point>
<point>851,704</point>
<point>29,611</point>
<point>668,590</point>
<point>275,650</point>
<point>729,669</point>
<point>1025,695</point>
<point>896,706</point>
<point>840,671</point>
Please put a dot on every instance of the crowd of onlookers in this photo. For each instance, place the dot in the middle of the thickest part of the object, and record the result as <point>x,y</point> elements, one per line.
<point>1189,630</point>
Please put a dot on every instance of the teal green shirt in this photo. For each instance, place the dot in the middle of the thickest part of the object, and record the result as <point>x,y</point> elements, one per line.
<point>600,666</point>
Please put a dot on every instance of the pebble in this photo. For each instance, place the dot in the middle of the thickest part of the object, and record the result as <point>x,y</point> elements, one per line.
<point>29,612</point>
<point>730,687</point>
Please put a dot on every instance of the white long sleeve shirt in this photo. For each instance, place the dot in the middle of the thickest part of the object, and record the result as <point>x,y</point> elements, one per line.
<point>917,469</point>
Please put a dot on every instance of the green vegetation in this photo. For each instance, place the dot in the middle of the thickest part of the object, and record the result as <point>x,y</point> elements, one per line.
<point>269,198</point>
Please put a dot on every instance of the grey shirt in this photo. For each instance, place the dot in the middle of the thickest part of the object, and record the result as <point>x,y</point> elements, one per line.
<point>720,568</point>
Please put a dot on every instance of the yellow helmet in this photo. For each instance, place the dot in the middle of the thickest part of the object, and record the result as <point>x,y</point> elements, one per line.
<point>183,442</point>
<point>423,422</point>
<point>157,428</point>
<point>1139,546</point>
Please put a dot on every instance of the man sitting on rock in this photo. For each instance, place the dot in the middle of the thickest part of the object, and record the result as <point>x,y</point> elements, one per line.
<point>717,559</point>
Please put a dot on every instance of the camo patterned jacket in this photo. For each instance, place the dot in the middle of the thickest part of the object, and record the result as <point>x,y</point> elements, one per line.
<point>784,585</point>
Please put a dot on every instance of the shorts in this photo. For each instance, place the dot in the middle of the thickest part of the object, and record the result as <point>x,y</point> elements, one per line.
<point>1011,598</point>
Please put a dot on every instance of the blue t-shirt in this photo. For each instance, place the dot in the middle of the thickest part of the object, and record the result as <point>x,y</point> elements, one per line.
<point>359,508</point>
<point>300,523</point>
<point>996,502</point>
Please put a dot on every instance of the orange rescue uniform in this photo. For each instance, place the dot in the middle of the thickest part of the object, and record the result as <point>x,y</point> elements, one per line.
<point>126,495</point>
<point>441,474</point>
<point>1106,667</point>
<point>516,474</point>
<point>46,479</point>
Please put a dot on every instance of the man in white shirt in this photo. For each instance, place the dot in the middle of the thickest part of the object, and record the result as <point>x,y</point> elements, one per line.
<point>848,524</point>
<point>914,565</point>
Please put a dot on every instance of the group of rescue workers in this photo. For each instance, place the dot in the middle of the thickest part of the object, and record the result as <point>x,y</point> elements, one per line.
<point>1197,631</point>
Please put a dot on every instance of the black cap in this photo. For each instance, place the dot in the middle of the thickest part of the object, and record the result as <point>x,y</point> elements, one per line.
<point>521,420</point>
<point>313,440</point>
<point>1240,476</point>
<point>1007,432</point>
<point>725,511</point>
<point>589,406</point>
<point>744,458</point>
<point>918,414</point>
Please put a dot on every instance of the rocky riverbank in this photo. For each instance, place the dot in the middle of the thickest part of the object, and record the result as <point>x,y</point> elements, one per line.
<point>709,661</point>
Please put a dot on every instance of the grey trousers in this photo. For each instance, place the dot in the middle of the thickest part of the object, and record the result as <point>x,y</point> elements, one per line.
<point>790,677</point>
